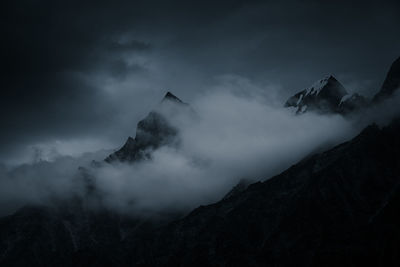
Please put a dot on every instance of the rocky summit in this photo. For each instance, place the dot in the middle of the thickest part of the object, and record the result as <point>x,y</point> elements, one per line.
<point>151,132</point>
<point>391,83</point>
<point>323,96</point>
<point>329,96</point>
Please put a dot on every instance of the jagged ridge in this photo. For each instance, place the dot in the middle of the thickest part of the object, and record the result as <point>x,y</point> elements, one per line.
<point>311,99</point>
<point>391,83</point>
<point>151,133</point>
<point>323,96</point>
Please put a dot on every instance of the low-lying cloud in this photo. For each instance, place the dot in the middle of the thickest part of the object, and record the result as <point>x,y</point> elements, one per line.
<point>233,136</point>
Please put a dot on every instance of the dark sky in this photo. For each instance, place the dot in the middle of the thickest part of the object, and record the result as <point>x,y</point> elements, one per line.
<point>79,75</point>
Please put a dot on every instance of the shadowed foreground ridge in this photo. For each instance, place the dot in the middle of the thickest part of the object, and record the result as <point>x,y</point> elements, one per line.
<point>334,208</point>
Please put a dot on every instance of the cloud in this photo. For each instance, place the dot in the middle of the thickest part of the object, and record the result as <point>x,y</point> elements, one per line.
<point>233,136</point>
<point>85,82</point>
<point>65,78</point>
<point>43,182</point>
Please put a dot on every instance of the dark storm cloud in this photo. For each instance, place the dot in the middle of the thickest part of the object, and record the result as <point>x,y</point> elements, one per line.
<point>77,69</point>
<point>295,43</point>
<point>50,53</point>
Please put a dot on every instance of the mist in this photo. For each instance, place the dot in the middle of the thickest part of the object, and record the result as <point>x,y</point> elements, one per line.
<point>235,135</point>
<point>235,130</point>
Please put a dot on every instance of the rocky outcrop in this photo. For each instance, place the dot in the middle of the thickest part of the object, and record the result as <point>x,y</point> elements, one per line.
<point>351,103</point>
<point>152,132</point>
<point>329,96</point>
<point>391,83</point>
<point>324,96</point>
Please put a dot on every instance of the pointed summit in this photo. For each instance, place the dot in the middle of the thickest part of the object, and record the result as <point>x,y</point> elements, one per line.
<point>391,83</point>
<point>153,131</point>
<point>323,96</point>
<point>330,83</point>
<point>170,96</point>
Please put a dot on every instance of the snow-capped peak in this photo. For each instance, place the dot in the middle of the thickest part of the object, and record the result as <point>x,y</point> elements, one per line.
<point>318,86</point>
<point>322,96</point>
<point>170,96</point>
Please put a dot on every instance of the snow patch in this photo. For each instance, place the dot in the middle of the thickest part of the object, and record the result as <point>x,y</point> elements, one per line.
<point>299,100</point>
<point>317,86</point>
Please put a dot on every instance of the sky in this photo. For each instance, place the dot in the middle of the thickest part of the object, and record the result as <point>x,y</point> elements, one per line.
<point>78,75</point>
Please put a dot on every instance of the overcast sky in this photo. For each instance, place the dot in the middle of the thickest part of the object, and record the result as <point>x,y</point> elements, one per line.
<point>78,76</point>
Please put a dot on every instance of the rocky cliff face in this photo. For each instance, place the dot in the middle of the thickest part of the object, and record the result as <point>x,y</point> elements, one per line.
<point>329,96</point>
<point>151,132</point>
<point>351,103</point>
<point>391,83</point>
<point>324,96</point>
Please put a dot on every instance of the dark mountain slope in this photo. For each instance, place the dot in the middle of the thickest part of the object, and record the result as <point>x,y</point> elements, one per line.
<point>68,235</point>
<point>334,208</point>
<point>319,212</point>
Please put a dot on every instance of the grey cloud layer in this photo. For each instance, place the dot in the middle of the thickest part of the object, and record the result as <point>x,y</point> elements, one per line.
<point>235,135</point>
<point>78,70</point>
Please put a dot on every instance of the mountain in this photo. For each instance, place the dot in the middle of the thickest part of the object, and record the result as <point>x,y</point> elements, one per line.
<point>171,97</point>
<point>328,210</point>
<point>391,83</point>
<point>152,132</point>
<point>68,235</point>
<point>238,188</point>
<point>324,96</point>
<point>329,96</point>
<point>338,207</point>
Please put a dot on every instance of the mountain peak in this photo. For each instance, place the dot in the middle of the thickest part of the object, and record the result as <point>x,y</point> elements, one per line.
<point>151,132</point>
<point>170,96</point>
<point>317,87</point>
<point>391,83</point>
<point>323,96</point>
